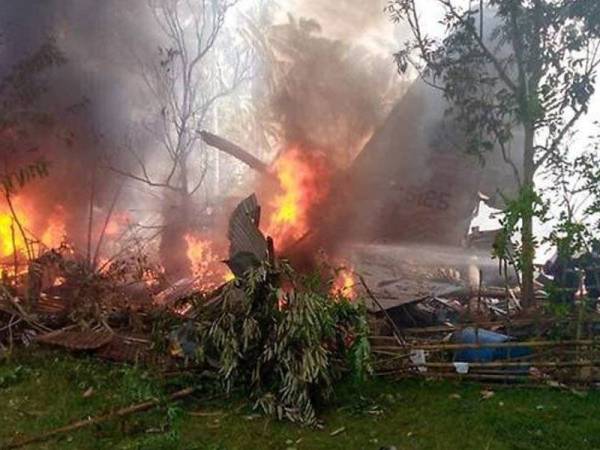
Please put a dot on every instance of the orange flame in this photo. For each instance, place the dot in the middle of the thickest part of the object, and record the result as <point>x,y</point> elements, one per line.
<point>11,239</point>
<point>344,284</point>
<point>206,262</point>
<point>55,233</point>
<point>117,224</point>
<point>303,183</point>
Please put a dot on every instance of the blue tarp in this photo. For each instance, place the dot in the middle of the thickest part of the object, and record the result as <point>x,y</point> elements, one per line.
<point>481,336</point>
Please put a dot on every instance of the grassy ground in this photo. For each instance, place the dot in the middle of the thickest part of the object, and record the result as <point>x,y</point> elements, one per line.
<point>40,390</point>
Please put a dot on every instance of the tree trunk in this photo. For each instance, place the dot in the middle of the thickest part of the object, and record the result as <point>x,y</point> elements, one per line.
<point>527,238</point>
<point>173,246</point>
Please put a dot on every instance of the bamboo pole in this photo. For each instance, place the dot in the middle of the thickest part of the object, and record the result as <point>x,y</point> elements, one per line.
<point>502,364</point>
<point>440,347</point>
<point>145,406</point>
<point>399,335</point>
<point>497,323</point>
<point>479,376</point>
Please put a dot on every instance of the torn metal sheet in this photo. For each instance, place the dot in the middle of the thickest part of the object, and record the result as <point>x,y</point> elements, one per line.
<point>50,305</point>
<point>76,339</point>
<point>127,350</point>
<point>244,234</point>
<point>177,291</point>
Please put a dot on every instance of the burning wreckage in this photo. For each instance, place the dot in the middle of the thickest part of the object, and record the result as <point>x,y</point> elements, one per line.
<point>437,304</point>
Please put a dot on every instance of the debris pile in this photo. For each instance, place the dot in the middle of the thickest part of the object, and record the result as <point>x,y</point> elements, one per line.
<point>454,328</point>
<point>280,336</point>
<point>431,312</point>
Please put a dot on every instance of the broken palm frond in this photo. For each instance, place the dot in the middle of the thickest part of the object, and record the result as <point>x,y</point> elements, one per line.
<point>140,407</point>
<point>285,349</point>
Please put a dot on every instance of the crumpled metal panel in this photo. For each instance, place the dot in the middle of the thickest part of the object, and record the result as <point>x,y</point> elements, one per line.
<point>47,305</point>
<point>178,290</point>
<point>244,234</point>
<point>76,339</point>
<point>122,349</point>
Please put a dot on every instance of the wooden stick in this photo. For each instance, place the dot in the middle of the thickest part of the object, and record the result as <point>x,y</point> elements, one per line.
<point>109,214</point>
<point>15,253</point>
<point>91,218</point>
<point>145,406</point>
<point>477,376</point>
<point>399,334</point>
<point>500,364</point>
<point>434,347</point>
<point>469,376</point>
<point>493,323</point>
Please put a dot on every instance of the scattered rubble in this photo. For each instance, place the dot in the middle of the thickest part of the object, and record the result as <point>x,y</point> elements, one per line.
<point>428,314</point>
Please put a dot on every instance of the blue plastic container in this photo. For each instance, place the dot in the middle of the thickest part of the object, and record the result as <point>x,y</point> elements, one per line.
<point>481,336</point>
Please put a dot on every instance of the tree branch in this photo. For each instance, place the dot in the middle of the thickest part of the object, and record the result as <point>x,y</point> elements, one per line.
<point>488,54</point>
<point>234,150</point>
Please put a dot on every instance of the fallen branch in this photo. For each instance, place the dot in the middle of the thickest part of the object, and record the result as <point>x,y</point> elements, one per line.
<point>145,406</point>
<point>19,311</point>
<point>234,150</point>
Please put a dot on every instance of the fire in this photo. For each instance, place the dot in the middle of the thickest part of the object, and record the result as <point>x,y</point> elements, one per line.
<point>55,233</point>
<point>7,231</point>
<point>229,276</point>
<point>199,252</point>
<point>11,238</point>
<point>51,235</point>
<point>344,284</point>
<point>303,184</point>
<point>206,262</point>
<point>117,223</point>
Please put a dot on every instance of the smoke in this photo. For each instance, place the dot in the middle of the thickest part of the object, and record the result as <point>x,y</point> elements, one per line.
<point>412,180</point>
<point>332,90</point>
<point>356,22</point>
<point>91,98</point>
<point>332,84</point>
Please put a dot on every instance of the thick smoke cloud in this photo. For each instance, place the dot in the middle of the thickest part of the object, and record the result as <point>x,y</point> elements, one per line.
<point>351,21</point>
<point>335,85</point>
<point>412,181</point>
<point>92,97</point>
<point>333,90</point>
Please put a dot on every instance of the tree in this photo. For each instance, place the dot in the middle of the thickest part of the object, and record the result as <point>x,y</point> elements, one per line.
<point>185,84</point>
<point>506,65</point>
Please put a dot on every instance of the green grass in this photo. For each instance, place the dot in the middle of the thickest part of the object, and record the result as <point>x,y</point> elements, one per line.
<point>41,390</point>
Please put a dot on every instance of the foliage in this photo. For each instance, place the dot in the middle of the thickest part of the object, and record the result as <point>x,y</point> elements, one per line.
<point>528,203</point>
<point>518,75</point>
<point>93,292</point>
<point>11,377</point>
<point>535,64</point>
<point>574,189</point>
<point>285,347</point>
<point>416,414</point>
